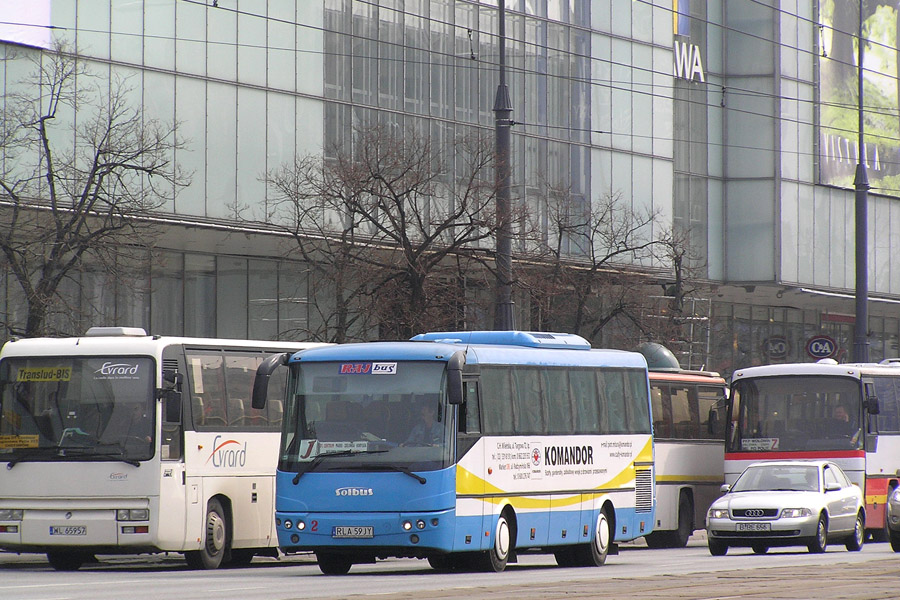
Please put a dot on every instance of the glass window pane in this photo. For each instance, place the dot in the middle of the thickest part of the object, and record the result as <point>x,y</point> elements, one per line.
<point>263,300</point>
<point>584,400</point>
<point>613,390</point>
<point>496,395</point>
<point>231,297</point>
<point>199,295</point>
<point>558,403</point>
<point>166,294</point>
<point>206,379</point>
<point>528,408</point>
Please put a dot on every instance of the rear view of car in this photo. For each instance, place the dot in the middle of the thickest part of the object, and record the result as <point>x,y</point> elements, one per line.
<point>787,503</point>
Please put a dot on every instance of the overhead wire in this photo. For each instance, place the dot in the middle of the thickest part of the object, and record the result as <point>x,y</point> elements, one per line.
<point>613,85</point>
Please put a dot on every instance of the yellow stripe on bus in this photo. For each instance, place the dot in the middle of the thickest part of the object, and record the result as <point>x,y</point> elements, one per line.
<point>469,484</point>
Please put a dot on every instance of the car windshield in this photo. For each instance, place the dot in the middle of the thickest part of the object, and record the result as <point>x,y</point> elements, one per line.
<point>799,478</point>
<point>76,408</point>
<point>368,415</point>
<point>772,414</point>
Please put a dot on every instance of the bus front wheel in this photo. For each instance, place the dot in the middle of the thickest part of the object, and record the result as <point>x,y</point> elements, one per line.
<point>496,558</point>
<point>594,553</point>
<point>215,541</point>
<point>333,564</point>
<point>68,561</point>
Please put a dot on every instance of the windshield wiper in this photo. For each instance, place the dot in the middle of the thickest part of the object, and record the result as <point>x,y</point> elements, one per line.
<point>33,454</point>
<point>318,459</point>
<point>396,468</point>
<point>81,452</point>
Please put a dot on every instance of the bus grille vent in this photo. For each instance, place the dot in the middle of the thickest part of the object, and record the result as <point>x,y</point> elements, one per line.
<point>643,491</point>
<point>170,364</point>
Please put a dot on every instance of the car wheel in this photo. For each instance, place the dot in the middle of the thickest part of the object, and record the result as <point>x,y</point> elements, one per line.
<point>820,540</point>
<point>717,548</point>
<point>856,541</point>
<point>895,540</point>
<point>760,548</point>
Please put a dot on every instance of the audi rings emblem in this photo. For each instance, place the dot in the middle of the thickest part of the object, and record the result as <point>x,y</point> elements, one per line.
<point>754,512</point>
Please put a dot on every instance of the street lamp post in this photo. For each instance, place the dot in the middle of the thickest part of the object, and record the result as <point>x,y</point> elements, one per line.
<point>504,316</point>
<point>861,184</point>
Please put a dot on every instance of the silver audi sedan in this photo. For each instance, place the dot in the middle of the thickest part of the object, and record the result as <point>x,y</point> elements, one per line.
<point>787,503</point>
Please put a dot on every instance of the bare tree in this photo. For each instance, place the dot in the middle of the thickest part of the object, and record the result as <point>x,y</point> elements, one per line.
<point>680,326</point>
<point>582,273</point>
<point>81,167</point>
<point>385,221</point>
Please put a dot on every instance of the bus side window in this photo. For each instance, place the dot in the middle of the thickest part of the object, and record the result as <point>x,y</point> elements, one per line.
<point>470,420</point>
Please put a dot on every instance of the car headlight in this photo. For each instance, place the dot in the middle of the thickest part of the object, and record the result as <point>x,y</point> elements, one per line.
<point>793,513</point>
<point>718,513</point>
<point>11,514</point>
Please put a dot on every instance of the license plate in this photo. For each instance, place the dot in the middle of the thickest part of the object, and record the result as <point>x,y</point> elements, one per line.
<point>68,530</point>
<point>754,527</point>
<point>353,532</point>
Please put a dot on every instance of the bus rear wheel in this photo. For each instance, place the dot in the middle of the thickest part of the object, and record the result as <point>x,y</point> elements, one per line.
<point>215,541</point>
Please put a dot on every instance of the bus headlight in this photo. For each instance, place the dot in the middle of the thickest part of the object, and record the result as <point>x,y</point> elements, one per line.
<point>133,514</point>
<point>11,514</point>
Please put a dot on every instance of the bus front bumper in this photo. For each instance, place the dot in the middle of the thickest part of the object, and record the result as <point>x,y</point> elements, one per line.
<point>389,534</point>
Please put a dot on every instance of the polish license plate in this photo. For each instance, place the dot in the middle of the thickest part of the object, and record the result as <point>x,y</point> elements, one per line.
<point>68,530</point>
<point>353,532</point>
<point>754,527</point>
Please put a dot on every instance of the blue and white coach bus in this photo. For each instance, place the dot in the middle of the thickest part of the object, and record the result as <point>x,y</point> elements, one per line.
<point>463,448</point>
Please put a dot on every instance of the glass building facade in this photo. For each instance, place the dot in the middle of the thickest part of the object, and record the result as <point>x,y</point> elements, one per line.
<point>707,114</point>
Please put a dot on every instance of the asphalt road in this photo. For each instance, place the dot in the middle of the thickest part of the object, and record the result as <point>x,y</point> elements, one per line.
<point>636,573</point>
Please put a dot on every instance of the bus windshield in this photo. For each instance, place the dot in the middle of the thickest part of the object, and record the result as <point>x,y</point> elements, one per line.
<point>795,413</point>
<point>369,416</point>
<point>76,408</point>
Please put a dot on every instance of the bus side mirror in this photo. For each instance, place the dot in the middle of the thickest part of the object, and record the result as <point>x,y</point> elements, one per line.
<point>872,406</point>
<point>261,381</point>
<point>454,377</point>
<point>172,399</point>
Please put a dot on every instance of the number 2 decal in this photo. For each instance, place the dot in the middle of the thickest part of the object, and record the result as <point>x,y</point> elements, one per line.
<point>314,526</point>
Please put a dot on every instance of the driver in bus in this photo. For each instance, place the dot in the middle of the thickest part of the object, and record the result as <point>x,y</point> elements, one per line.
<point>840,423</point>
<point>428,431</point>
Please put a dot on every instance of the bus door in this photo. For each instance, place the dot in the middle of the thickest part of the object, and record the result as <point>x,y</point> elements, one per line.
<point>172,475</point>
<point>473,461</point>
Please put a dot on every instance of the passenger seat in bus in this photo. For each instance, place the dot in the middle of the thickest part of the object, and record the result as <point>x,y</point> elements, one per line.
<point>235,411</point>
<point>337,426</point>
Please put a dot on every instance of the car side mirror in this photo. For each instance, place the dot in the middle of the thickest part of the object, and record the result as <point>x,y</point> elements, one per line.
<point>832,486</point>
<point>725,488</point>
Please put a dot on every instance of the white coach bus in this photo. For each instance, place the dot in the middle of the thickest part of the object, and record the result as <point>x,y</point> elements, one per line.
<point>688,434</point>
<point>122,443</point>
